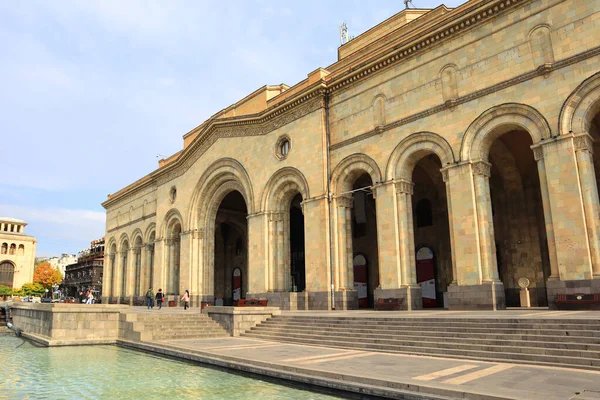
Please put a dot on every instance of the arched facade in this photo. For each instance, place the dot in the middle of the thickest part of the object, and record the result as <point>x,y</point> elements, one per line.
<point>506,187</point>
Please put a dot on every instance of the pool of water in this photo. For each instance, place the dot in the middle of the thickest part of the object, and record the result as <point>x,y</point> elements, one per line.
<point>111,372</point>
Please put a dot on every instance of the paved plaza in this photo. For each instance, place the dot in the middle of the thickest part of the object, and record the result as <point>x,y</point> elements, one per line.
<point>396,375</point>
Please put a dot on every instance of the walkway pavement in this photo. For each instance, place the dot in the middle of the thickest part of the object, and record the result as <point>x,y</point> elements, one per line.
<point>395,375</point>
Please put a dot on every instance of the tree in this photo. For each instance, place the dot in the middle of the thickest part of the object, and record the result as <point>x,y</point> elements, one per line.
<point>5,290</point>
<point>46,275</point>
<point>33,289</point>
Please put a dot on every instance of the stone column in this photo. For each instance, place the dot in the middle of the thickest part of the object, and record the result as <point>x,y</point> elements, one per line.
<point>124,268</point>
<point>149,267</point>
<point>483,200</point>
<point>185,248</point>
<point>344,220</point>
<point>107,286</point>
<point>450,226</point>
<point>136,271</point>
<point>466,187</point>
<point>538,155</point>
<point>275,251</point>
<point>387,237</point>
<point>587,177</point>
<point>404,192</point>
<point>259,264</point>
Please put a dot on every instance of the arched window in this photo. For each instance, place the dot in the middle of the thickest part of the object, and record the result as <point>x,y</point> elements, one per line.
<point>4,248</point>
<point>424,216</point>
<point>7,273</point>
<point>21,250</point>
<point>13,249</point>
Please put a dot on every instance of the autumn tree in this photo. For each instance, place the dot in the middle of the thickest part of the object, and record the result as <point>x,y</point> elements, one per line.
<point>46,275</point>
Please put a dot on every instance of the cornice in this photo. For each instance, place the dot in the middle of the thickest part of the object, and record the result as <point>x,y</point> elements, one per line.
<point>451,26</point>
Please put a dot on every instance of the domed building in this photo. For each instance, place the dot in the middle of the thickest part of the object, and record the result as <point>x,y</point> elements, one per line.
<point>447,157</point>
<point>17,253</point>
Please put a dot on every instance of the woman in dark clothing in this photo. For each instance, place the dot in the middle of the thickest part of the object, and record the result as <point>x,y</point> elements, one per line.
<point>159,298</point>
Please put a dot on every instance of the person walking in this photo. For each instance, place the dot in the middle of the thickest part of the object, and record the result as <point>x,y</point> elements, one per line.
<point>150,298</point>
<point>160,297</point>
<point>90,298</point>
<point>186,299</point>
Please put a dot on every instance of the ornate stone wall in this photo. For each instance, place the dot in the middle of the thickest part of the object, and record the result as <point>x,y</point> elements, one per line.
<point>462,87</point>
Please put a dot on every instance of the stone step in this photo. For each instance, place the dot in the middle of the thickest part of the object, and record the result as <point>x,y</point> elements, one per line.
<point>507,355</point>
<point>190,335</point>
<point>514,347</point>
<point>434,328</point>
<point>445,324</point>
<point>471,321</point>
<point>585,336</point>
<point>505,340</point>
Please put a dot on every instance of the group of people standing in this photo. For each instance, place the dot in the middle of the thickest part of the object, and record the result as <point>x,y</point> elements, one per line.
<point>160,298</point>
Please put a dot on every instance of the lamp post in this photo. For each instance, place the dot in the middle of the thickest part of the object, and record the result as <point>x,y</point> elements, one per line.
<point>46,292</point>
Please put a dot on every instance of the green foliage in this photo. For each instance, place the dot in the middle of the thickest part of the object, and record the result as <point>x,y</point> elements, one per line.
<point>33,289</point>
<point>5,290</point>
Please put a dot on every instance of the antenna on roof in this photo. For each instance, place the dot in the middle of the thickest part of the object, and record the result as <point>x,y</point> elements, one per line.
<point>344,37</point>
<point>407,2</point>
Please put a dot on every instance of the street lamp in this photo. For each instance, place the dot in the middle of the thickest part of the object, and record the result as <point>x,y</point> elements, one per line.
<point>46,292</point>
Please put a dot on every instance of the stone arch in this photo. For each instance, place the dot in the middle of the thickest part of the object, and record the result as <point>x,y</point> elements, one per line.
<point>498,120</point>
<point>151,228</point>
<point>449,83</point>
<point>580,107</point>
<point>7,273</point>
<point>350,168</point>
<point>171,217</point>
<point>540,45</point>
<point>122,239</point>
<point>282,187</point>
<point>414,147</point>
<point>219,173</point>
<point>137,234</point>
<point>378,106</point>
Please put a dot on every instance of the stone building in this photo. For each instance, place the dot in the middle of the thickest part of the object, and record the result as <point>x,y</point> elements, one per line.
<point>445,155</point>
<point>86,273</point>
<point>17,253</point>
<point>60,263</point>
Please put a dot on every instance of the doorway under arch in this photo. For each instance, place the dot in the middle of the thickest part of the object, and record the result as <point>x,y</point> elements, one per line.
<point>7,273</point>
<point>230,248</point>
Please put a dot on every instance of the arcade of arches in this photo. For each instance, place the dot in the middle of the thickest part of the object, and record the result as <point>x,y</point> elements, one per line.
<point>388,175</point>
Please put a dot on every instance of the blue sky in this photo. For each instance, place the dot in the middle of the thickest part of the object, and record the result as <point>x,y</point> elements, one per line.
<point>92,91</point>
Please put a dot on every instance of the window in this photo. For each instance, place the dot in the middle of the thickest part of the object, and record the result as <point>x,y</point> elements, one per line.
<point>4,249</point>
<point>285,148</point>
<point>21,250</point>
<point>7,273</point>
<point>424,216</point>
<point>13,249</point>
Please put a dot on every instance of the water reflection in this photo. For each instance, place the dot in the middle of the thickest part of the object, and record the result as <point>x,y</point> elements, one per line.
<point>110,372</point>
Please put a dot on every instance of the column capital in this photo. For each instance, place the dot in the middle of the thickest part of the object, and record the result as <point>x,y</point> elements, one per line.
<point>482,168</point>
<point>275,216</point>
<point>584,142</point>
<point>404,186</point>
<point>538,153</point>
<point>344,201</point>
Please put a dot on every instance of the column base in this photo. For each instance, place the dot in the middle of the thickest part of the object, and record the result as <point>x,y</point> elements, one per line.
<point>487,296</point>
<point>319,300</point>
<point>346,300</point>
<point>574,287</point>
<point>284,300</point>
<point>413,299</point>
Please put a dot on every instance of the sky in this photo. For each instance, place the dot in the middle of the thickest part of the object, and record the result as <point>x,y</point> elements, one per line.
<point>92,91</point>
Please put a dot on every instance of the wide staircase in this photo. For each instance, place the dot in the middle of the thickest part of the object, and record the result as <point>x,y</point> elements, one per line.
<point>559,343</point>
<point>146,327</point>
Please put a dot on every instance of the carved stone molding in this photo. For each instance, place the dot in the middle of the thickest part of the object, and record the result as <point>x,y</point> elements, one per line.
<point>445,175</point>
<point>404,186</point>
<point>482,168</point>
<point>584,143</point>
<point>538,153</point>
<point>344,201</point>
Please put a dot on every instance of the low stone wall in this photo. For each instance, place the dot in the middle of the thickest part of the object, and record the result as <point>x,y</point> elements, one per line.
<point>237,320</point>
<point>62,324</point>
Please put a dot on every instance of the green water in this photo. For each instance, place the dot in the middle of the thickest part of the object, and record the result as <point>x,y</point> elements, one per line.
<point>110,372</point>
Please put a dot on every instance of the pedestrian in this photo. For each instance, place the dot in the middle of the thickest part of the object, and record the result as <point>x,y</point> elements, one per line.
<point>90,298</point>
<point>186,299</point>
<point>150,298</point>
<point>160,297</point>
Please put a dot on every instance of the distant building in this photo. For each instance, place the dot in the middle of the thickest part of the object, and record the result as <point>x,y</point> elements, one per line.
<point>86,272</point>
<point>17,253</point>
<point>60,263</point>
